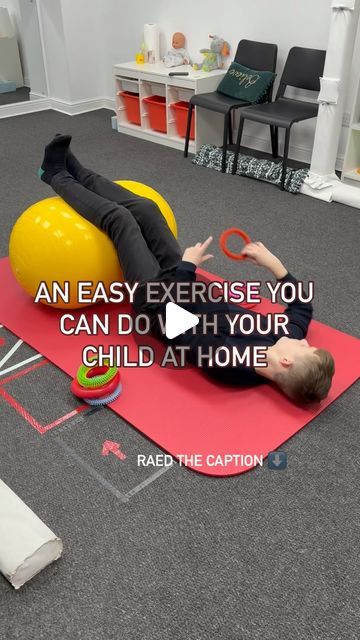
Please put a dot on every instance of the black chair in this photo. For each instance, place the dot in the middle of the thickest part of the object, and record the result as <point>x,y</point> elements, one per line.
<point>255,55</point>
<point>303,69</point>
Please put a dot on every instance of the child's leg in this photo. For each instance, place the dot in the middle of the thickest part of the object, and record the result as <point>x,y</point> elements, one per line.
<point>153,225</point>
<point>137,261</point>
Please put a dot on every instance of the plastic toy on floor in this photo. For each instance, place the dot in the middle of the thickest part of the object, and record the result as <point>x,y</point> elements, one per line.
<point>214,57</point>
<point>178,54</point>
<point>97,385</point>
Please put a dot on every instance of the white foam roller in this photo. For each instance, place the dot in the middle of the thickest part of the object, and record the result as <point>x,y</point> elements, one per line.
<point>347,194</point>
<point>27,545</point>
<point>343,26</point>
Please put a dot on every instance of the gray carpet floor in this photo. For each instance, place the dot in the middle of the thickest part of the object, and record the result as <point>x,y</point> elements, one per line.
<point>260,556</point>
<point>20,95</point>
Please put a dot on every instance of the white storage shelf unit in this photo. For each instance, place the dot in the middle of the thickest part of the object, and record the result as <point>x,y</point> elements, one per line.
<point>153,79</point>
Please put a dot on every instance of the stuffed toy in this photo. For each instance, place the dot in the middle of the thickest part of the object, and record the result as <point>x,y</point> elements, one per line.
<point>214,57</point>
<point>178,54</point>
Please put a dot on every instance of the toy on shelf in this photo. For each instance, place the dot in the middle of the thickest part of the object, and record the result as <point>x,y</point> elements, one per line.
<point>140,56</point>
<point>178,54</point>
<point>213,57</point>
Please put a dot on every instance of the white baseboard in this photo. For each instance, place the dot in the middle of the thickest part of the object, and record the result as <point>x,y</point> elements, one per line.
<point>20,108</point>
<point>82,106</point>
<point>109,103</point>
<point>69,108</point>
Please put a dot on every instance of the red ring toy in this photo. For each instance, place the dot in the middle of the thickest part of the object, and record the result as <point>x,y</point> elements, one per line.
<point>224,238</point>
<point>95,392</point>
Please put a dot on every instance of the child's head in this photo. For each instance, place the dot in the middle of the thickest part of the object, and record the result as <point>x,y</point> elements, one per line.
<point>302,372</point>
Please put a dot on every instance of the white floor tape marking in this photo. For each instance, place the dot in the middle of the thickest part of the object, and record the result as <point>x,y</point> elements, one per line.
<point>107,485</point>
<point>146,482</point>
<point>123,497</point>
<point>20,364</point>
<point>11,352</point>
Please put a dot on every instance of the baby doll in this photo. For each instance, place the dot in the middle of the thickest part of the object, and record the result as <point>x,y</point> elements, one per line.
<point>178,54</point>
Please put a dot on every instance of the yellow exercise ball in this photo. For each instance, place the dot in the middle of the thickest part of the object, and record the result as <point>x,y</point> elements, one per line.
<point>51,242</point>
<point>148,192</point>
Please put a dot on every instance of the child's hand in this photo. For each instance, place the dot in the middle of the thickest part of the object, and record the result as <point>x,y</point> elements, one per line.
<point>197,254</point>
<point>260,255</point>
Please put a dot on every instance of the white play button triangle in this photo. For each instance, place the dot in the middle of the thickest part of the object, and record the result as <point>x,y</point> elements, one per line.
<point>178,320</point>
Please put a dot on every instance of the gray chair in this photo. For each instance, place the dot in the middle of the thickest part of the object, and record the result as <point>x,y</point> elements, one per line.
<point>303,69</point>
<point>255,55</point>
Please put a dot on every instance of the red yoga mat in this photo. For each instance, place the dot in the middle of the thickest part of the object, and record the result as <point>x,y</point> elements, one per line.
<point>181,410</point>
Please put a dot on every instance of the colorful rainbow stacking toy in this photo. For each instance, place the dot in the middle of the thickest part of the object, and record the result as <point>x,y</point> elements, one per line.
<point>97,385</point>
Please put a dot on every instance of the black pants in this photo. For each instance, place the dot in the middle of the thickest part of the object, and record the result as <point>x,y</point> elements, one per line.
<point>143,241</point>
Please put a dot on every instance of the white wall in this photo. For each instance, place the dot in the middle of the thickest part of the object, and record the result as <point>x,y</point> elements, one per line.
<point>75,55</point>
<point>122,30</point>
<point>284,22</point>
<point>85,49</point>
<point>24,16</point>
<point>31,45</point>
<point>13,8</point>
<point>55,50</point>
<point>86,37</point>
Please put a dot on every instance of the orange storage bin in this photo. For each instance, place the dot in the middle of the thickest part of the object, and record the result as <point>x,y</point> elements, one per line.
<point>157,112</point>
<point>180,110</point>
<point>132,106</point>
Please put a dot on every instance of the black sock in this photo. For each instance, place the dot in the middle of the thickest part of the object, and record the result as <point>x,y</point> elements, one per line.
<point>72,164</point>
<point>54,157</point>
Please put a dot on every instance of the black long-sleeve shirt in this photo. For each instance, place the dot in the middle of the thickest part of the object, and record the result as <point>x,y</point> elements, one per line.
<point>299,314</point>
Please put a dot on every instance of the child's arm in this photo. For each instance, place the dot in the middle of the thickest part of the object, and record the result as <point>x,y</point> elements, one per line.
<point>185,272</point>
<point>257,253</point>
<point>298,312</point>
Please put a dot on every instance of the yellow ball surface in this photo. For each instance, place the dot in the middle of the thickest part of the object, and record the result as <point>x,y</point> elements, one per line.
<point>148,192</point>
<point>51,242</point>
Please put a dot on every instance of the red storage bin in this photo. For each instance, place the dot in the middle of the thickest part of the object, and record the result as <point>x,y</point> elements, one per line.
<point>181,110</point>
<point>132,106</point>
<point>157,112</point>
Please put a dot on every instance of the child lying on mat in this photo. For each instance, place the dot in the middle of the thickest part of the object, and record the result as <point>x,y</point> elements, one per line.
<point>149,252</point>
